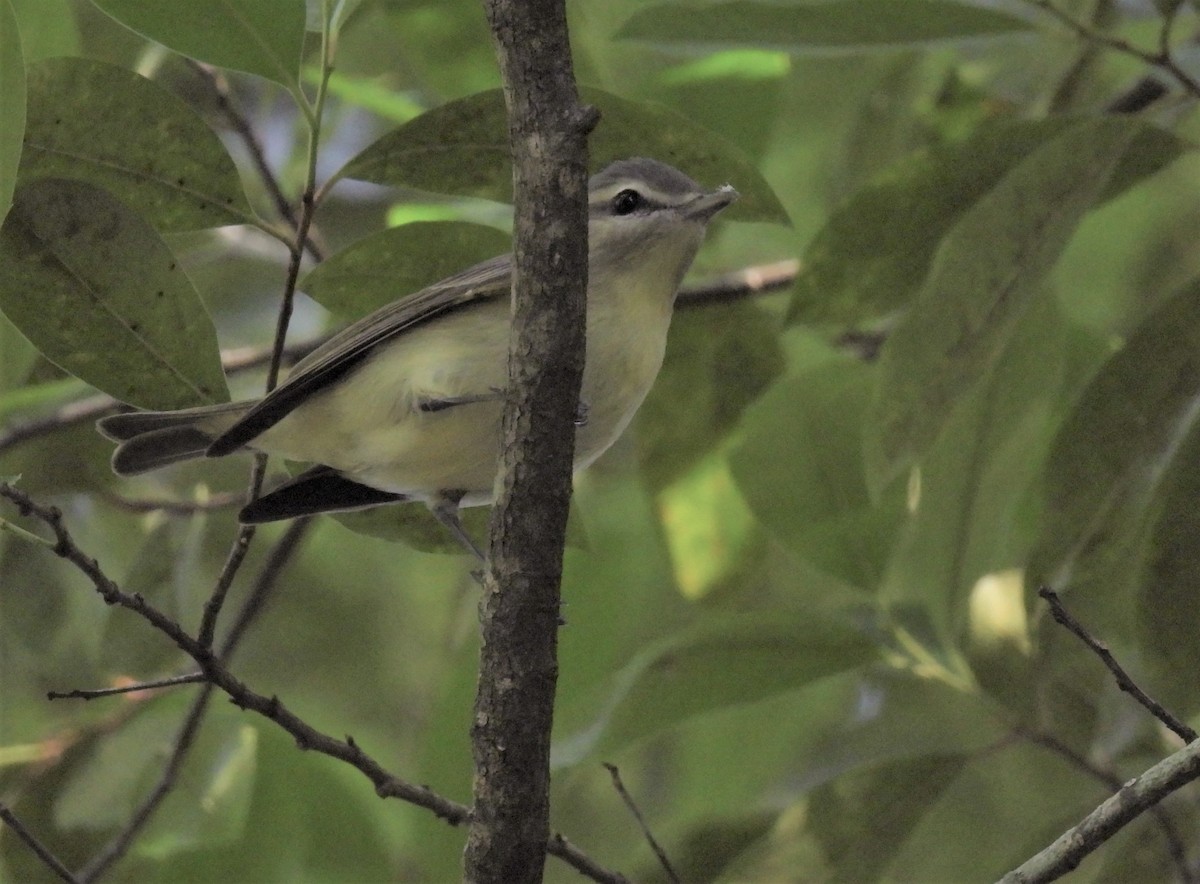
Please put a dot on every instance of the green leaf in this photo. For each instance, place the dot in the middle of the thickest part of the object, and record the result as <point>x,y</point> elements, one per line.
<point>1111,464</point>
<point>715,666</point>
<point>837,25</point>
<point>413,525</point>
<point>987,272</point>
<point>47,28</point>
<point>718,361</point>
<point>387,265</point>
<point>462,148</point>
<point>39,397</point>
<point>863,264</point>
<point>909,717</point>
<point>969,508</point>
<point>1119,501</point>
<point>263,37</point>
<point>99,293</point>
<point>861,819</point>
<point>175,171</point>
<point>370,95</point>
<point>1027,796</point>
<point>211,798</point>
<point>12,104</point>
<point>799,466</point>
<point>1168,606</point>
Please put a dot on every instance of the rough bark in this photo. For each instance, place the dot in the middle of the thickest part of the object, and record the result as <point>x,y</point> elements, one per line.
<point>520,606</point>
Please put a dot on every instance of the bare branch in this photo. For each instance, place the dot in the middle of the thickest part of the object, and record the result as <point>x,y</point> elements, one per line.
<point>1111,816</point>
<point>580,862</point>
<point>1161,59</point>
<point>1124,682</point>
<point>637,815</point>
<point>132,688</point>
<point>281,553</point>
<point>44,854</point>
<point>218,85</point>
<point>1174,843</point>
<point>747,282</point>
<point>306,737</point>
<point>519,610</point>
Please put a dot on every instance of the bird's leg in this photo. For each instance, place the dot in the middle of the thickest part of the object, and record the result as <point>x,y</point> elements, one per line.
<point>445,509</point>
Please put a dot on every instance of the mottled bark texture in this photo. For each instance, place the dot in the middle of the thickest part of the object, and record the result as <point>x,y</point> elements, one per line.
<point>519,610</point>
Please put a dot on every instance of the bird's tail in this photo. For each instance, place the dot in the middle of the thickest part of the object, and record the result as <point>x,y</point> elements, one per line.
<point>152,439</point>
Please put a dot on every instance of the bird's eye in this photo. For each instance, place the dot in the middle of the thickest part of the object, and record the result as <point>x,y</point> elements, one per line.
<point>626,202</point>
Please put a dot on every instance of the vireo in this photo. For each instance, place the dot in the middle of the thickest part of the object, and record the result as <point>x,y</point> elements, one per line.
<point>405,404</point>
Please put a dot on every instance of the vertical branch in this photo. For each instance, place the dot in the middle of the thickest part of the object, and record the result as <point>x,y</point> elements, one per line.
<point>520,606</point>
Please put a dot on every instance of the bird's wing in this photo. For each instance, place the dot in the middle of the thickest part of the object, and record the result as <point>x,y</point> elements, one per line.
<point>348,348</point>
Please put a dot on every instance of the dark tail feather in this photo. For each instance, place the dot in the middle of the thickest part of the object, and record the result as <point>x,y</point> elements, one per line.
<point>159,448</point>
<point>153,439</point>
<point>319,490</point>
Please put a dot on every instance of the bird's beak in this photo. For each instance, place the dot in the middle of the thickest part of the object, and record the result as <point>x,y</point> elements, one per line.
<point>703,207</point>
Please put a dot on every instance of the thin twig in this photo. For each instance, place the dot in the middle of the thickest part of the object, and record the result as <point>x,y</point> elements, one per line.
<point>757,280</point>
<point>1175,846</point>
<point>174,507</point>
<point>307,737</point>
<point>1124,682</point>
<point>1134,797</point>
<point>581,862</point>
<point>44,854</point>
<point>268,578</point>
<point>1162,59</point>
<point>281,553</point>
<point>233,562</point>
<point>218,85</point>
<point>641,821</point>
<point>133,688</point>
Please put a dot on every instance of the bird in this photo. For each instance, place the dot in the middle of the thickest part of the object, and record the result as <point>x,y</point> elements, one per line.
<point>405,404</point>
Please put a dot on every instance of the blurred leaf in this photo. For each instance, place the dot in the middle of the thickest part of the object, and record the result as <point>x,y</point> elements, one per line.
<point>1003,807</point>
<point>799,466</point>
<point>211,802</point>
<point>97,291</point>
<point>707,526</point>
<point>47,28</point>
<point>370,95</point>
<point>839,24</point>
<point>863,264</point>
<point>713,666</point>
<point>12,104</point>
<point>392,263</point>
<point>862,818</point>
<point>38,397</point>
<point>970,501</point>
<point>413,525</point>
<point>739,64</point>
<point>986,274</point>
<point>263,37</point>
<point>902,716</point>
<point>462,148</point>
<point>706,850</point>
<point>212,793</point>
<point>176,171</point>
<point>1117,456</point>
<point>718,360</point>
<point>1168,606</point>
